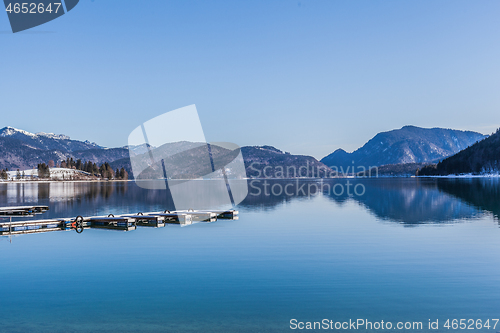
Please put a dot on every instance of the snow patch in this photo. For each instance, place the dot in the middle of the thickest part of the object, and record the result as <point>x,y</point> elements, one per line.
<point>468,175</point>
<point>55,173</point>
<point>53,136</point>
<point>9,131</point>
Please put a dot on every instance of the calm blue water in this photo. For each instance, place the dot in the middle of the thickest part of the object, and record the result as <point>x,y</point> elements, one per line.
<point>406,250</point>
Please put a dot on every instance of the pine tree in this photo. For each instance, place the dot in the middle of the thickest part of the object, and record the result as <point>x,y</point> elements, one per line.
<point>102,170</point>
<point>123,174</point>
<point>43,171</point>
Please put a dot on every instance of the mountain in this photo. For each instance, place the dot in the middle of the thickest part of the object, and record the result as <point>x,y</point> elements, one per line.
<point>481,157</point>
<point>260,162</point>
<point>179,160</point>
<point>400,152</point>
<point>16,154</point>
<point>339,158</point>
<point>24,150</point>
<point>280,164</point>
<point>47,141</point>
<point>409,144</point>
<point>100,156</point>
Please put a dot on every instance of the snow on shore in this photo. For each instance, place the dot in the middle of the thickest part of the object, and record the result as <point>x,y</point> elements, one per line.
<point>469,175</point>
<point>55,173</point>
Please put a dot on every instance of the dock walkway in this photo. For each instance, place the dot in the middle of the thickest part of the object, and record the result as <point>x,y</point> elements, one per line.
<point>125,222</point>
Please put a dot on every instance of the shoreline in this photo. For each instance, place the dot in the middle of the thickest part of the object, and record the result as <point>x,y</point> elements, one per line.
<point>467,176</point>
<point>63,181</point>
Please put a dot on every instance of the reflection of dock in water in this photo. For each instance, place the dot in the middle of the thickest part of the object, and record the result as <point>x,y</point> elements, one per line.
<point>125,222</point>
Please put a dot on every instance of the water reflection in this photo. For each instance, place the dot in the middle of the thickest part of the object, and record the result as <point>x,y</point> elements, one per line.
<point>407,201</point>
<point>414,201</point>
<point>33,192</point>
<point>69,199</point>
<point>403,200</point>
<point>481,193</point>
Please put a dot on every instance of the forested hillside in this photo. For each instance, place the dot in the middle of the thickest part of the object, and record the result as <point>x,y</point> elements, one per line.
<point>481,157</point>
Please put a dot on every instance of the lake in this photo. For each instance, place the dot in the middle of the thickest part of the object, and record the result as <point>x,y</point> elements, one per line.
<point>401,251</point>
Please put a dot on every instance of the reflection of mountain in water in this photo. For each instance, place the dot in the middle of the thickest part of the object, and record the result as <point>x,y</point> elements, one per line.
<point>413,201</point>
<point>482,193</point>
<point>67,199</point>
<point>408,201</point>
<point>261,195</point>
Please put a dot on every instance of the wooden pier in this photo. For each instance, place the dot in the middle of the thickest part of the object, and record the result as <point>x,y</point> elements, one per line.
<point>125,222</point>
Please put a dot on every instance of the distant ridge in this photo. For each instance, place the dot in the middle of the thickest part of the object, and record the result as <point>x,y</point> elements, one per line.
<point>23,150</point>
<point>401,151</point>
<point>262,162</point>
<point>410,144</point>
<point>47,141</point>
<point>257,158</point>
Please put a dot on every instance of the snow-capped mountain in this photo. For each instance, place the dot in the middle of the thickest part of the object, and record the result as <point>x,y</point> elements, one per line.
<point>23,150</point>
<point>47,141</point>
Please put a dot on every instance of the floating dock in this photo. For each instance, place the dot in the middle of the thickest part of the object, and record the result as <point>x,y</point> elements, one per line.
<point>112,222</point>
<point>142,220</point>
<point>22,210</point>
<point>173,217</point>
<point>125,222</point>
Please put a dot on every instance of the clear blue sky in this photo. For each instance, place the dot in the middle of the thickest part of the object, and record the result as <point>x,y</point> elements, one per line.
<point>306,76</point>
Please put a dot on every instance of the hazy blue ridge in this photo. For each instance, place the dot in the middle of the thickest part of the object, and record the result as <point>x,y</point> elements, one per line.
<point>409,144</point>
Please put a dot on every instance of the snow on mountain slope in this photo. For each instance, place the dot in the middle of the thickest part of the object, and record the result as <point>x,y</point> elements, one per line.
<point>47,141</point>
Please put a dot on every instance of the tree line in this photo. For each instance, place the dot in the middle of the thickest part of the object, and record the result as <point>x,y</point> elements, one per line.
<point>104,170</point>
<point>4,174</point>
<point>481,157</point>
